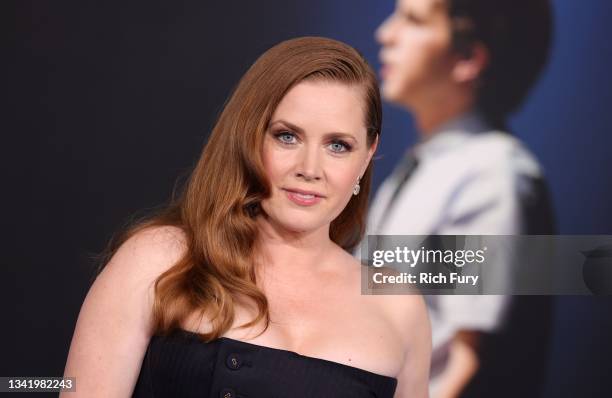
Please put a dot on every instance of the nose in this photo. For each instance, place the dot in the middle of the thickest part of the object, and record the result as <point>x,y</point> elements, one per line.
<point>309,165</point>
<point>383,32</point>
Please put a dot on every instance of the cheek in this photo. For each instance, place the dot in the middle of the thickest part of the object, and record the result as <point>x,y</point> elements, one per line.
<point>421,67</point>
<point>342,178</point>
<point>342,182</point>
<point>276,163</point>
<point>421,51</point>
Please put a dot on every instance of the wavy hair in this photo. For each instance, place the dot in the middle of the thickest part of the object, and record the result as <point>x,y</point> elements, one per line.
<point>217,206</point>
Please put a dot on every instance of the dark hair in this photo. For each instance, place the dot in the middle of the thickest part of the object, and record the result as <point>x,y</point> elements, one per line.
<point>517,34</point>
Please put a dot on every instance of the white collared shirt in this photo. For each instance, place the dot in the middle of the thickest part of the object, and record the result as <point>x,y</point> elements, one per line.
<point>470,180</point>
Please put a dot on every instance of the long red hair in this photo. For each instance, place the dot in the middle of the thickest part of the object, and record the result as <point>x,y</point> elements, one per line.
<point>216,208</point>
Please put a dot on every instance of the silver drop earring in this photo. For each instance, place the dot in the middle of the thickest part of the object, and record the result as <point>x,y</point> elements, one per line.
<point>356,188</point>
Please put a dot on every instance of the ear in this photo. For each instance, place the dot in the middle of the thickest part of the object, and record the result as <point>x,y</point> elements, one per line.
<point>470,65</point>
<point>371,151</point>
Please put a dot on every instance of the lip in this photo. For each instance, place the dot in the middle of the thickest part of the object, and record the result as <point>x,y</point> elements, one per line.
<point>384,70</point>
<point>304,192</point>
<point>295,196</point>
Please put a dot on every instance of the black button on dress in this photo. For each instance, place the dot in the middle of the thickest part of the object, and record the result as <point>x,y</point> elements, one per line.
<point>181,365</point>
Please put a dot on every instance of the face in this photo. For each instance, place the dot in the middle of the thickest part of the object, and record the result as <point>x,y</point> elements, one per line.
<point>416,52</point>
<point>314,151</point>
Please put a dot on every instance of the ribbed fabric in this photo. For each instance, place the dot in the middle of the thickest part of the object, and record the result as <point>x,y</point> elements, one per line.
<point>181,365</point>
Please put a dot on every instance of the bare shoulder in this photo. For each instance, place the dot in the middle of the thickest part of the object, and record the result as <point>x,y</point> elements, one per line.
<point>136,265</point>
<point>141,259</point>
<point>408,312</point>
<point>150,251</point>
<point>114,324</point>
<point>404,311</point>
<point>405,320</point>
<point>409,316</point>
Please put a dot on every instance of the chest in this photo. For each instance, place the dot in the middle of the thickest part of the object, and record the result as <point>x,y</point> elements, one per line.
<point>332,323</point>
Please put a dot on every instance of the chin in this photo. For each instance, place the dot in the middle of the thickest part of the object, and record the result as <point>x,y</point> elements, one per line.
<point>400,96</point>
<point>390,91</point>
<point>299,225</point>
<point>295,221</point>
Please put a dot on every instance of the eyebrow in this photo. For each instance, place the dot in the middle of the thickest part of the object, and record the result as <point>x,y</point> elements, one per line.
<point>300,130</point>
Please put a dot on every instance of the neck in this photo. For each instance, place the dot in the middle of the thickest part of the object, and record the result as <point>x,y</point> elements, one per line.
<point>286,253</point>
<point>431,116</point>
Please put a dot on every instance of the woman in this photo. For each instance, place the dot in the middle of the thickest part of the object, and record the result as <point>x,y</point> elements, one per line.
<point>243,286</point>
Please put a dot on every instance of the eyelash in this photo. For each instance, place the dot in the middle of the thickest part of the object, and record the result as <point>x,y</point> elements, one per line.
<point>347,147</point>
<point>283,133</point>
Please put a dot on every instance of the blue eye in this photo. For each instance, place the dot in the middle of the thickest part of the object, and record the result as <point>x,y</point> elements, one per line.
<point>340,146</point>
<point>285,137</point>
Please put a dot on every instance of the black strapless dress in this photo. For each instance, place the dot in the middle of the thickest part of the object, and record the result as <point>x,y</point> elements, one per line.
<point>181,365</point>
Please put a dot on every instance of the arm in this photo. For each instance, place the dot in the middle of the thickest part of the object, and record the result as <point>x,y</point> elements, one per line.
<point>462,366</point>
<point>413,379</point>
<point>113,328</point>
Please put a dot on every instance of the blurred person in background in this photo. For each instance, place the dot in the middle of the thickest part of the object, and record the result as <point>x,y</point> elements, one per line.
<point>460,67</point>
